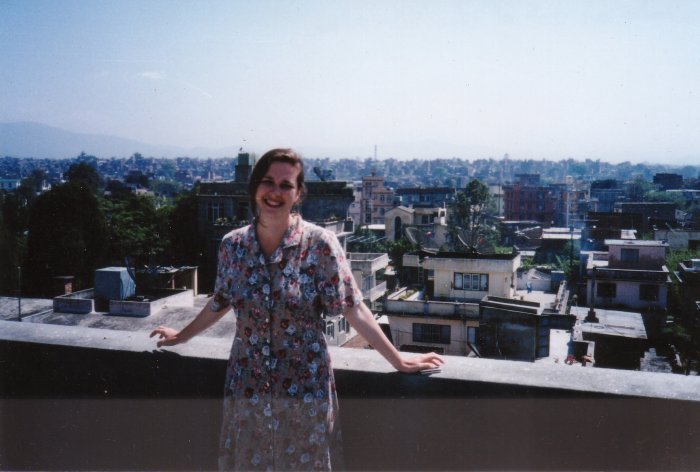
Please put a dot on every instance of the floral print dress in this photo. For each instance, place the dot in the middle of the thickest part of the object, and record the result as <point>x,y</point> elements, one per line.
<point>280,404</point>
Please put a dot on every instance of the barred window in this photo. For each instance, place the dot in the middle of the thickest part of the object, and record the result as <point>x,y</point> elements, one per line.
<point>471,281</point>
<point>431,333</point>
<point>607,290</point>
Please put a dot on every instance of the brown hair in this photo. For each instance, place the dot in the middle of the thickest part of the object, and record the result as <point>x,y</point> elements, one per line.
<point>263,165</point>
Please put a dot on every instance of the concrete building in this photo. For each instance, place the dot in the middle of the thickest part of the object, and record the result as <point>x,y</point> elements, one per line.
<point>679,239</point>
<point>517,329</point>
<point>688,277</point>
<point>668,181</point>
<point>605,193</point>
<point>601,226</point>
<point>432,221</point>
<point>612,339</point>
<point>443,313</point>
<point>654,214</point>
<point>426,196</point>
<point>376,200</point>
<point>631,276</point>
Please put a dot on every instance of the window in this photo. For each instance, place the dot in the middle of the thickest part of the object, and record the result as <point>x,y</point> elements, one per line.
<point>629,255</point>
<point>330,329</point>
<point>343,325</point>
<point>607,290</point>
<point>431,333</point>
<point>213,212</point>
<point>648,292</point>
<point>472,335</point>
<point>471,281</point>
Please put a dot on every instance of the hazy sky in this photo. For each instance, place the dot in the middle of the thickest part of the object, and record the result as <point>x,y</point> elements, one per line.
<point>611,80</point>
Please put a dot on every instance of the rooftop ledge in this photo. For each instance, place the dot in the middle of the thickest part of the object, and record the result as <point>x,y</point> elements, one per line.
<point>75,398</point>
<point>508,373</point>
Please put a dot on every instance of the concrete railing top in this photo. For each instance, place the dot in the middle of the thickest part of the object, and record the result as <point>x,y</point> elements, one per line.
<point>474,370</point>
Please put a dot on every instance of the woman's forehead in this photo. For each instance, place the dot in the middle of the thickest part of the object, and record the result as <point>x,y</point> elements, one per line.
<point>283,171</point>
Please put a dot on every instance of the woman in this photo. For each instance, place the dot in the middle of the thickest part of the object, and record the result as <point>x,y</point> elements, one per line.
<point>282,275</point>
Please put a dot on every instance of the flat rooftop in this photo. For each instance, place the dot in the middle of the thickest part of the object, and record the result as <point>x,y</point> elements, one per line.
<point>635,242</point>
<point>625,324</point>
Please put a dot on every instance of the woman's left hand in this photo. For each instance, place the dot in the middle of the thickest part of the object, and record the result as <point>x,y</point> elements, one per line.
<point>410,365</point>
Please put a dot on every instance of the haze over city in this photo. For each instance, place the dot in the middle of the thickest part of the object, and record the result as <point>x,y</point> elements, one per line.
<point>615,81</point>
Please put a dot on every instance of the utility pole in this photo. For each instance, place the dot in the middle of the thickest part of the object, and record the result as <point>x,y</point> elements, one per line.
<point>19,293</point>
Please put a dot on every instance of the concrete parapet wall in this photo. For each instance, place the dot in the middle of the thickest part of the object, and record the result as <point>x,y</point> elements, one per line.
<point>107,400</point>
<point>146,308</point>
<point>81,302</point>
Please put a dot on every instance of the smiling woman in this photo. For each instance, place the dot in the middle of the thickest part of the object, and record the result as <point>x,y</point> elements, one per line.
<point>283,276</point>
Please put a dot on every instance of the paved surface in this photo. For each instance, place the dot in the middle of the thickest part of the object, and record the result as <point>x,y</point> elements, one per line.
<point>41,311</point>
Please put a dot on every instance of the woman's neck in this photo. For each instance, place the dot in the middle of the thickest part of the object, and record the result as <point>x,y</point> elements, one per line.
<point>270,233</point>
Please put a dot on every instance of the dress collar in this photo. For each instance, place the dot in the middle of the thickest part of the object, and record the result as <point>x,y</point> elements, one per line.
<point>292,237</point>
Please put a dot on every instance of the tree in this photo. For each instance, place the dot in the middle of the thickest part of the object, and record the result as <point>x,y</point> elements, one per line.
<point>396,249</point>
<point>135,230</point>
<point>85,175</point>
<point>469,212</point>
<point>185,241</point>
<point>66,236</point>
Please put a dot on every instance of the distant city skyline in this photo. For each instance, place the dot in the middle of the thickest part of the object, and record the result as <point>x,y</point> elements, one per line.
<point>610,80</point>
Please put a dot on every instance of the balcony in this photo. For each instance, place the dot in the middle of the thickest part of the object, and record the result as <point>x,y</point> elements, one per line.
<point>92,399</point>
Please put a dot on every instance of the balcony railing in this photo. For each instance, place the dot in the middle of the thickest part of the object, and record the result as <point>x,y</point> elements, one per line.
<point>75,398</point>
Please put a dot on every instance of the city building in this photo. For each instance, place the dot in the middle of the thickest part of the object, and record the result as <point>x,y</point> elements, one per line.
<point>426,196</point>
<point>654,214</point>
<point>442,312</point>
<point>605,193</point>
<point>376,200</point>
<point>679,239</point>
<point>632,275</point>
<point>431,221</point>
<point>688,277</point>
<point>668,181</point>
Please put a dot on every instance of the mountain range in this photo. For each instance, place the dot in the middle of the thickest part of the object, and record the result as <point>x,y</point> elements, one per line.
<point>28,139</point>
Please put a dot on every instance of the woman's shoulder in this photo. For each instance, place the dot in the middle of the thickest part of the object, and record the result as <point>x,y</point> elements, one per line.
<point>316,232</point>
<point>238,234</point>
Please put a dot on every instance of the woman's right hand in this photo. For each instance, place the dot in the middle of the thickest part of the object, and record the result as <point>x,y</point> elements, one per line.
<point>166,336</point>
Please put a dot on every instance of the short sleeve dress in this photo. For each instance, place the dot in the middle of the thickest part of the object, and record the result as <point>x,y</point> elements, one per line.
<point>280,404</point>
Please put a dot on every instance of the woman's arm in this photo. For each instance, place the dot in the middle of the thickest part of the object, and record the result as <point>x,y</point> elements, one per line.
<point>206,318</point>
<point>361,318</point>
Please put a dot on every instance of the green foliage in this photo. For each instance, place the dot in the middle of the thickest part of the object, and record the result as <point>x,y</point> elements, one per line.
<point>396,250</point>
<point>66,236</point>
<point>135,230</point>
<point>85,175</point>
<point>469,213</point>
<point>166,188</point>
<point>364,240</point>
<point>183,231</point>
<point>568,260</point>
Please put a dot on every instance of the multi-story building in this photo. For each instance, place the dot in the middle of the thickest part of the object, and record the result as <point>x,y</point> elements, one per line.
<point>688,276</point>
<point>668,181</point>
<point>432,221</point>
<point>376,200</point>
<point>605,193</point>
<point>632,276</point>
<point>659,214</point>
<point>443,314</point>
<point>426,196</point>
<point>532,202</point>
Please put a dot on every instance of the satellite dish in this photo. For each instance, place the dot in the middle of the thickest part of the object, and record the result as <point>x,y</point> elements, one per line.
<point>481,246</point>
<point>421,238</point>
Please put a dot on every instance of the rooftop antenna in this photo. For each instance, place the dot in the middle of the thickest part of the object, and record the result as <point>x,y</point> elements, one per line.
<point>419,238</point>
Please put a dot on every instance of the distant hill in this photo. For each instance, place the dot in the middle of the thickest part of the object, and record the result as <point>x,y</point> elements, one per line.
<point>37,140</point>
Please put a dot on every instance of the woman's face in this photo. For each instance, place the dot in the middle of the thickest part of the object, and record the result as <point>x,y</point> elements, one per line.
<point>278,192</point>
